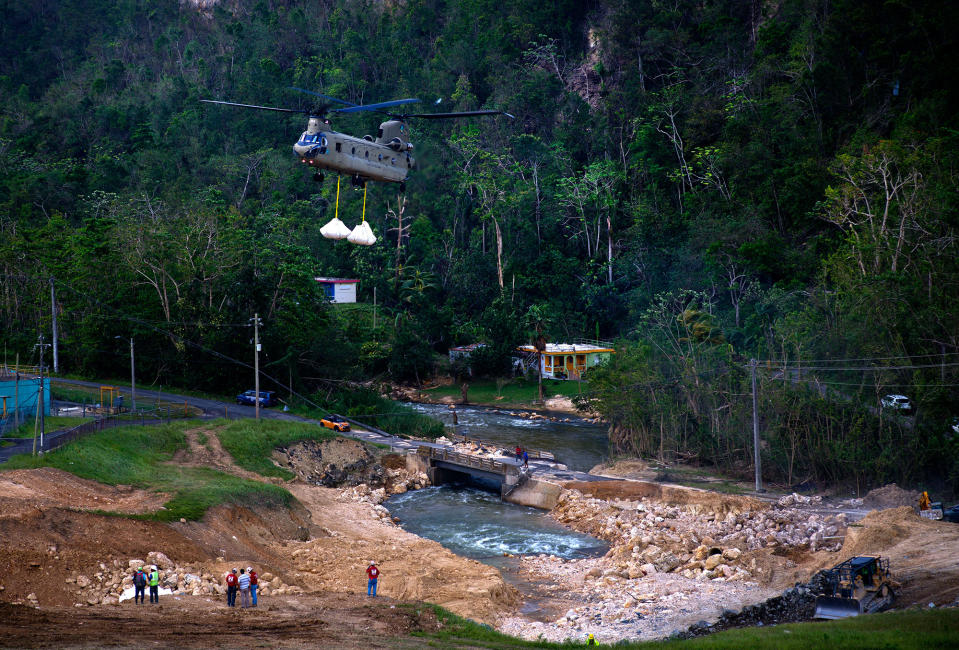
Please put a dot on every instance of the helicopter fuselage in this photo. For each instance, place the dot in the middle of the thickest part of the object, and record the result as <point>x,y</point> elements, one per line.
<point>388,157</point>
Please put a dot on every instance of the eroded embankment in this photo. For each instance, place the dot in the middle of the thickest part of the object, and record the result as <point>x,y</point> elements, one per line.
<point>56,554</point>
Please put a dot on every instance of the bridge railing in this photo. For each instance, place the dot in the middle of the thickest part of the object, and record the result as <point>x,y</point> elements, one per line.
<point>534,454</point>
<point>457,458</point>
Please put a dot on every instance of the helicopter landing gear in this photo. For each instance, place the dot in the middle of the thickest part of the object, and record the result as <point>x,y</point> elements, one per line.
<point>318,177</point>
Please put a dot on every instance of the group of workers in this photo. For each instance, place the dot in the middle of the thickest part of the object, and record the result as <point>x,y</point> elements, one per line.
<point>246,582</point>
<point>142,579</point>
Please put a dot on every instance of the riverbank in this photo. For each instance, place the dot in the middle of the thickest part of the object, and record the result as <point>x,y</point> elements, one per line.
<point>514,395</point>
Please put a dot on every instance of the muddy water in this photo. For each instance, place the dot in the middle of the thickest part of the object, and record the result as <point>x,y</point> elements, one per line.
<point>579,445</point>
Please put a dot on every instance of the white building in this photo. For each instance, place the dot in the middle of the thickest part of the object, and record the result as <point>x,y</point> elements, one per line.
<point>339,290</point>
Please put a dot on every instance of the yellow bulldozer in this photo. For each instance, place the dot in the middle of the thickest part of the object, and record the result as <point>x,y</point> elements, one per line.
<point>860,585</point>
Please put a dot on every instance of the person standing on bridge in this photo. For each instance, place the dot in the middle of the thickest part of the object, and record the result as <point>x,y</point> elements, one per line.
<point>372,574</point>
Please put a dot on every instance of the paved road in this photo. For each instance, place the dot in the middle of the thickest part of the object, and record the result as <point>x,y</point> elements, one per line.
<point>213,409</point>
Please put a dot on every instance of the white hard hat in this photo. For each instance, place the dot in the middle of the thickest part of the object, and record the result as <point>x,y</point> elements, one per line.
<point>248,569</point>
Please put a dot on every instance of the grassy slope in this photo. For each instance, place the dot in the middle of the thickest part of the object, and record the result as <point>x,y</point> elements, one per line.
<point>140,456</point>
<point>918,629</point>
<point>51,423</point>
<point>516,392</point>
<point>250,442</point>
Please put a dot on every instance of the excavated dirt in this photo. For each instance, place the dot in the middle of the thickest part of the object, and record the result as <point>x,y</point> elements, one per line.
<point>24,490</point>
<point>667,494</point>
<point>290,622</point>
<point>58,558</point>
<point>923,554</point>
<point>890,496</point>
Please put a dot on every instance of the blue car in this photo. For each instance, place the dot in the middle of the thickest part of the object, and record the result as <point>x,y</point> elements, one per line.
<point>267,398</point>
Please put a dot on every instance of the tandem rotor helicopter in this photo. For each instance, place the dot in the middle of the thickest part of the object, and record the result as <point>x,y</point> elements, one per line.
<point>386,158</point>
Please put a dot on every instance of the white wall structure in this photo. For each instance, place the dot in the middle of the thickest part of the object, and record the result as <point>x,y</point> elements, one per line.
<point>339,290</point>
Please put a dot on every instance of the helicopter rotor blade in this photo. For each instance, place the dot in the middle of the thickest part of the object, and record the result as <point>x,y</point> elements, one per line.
<point>326,97</point>
<point>262,108</point>
<point>375,107</point>
<point>444,116</point>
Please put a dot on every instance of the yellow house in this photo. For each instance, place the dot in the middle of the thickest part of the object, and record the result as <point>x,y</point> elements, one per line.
<point>568,360</point>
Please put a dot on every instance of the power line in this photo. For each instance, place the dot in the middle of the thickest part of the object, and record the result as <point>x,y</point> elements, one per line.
<point>867,368</point>
<point>905,356</point>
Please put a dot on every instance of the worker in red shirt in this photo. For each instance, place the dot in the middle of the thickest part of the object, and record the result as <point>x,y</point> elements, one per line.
<point>254,582</point>
<point>231,583</point>
<point>373,573</point>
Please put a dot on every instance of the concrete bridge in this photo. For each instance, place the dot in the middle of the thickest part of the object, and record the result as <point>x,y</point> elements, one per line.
<point>516,484</point>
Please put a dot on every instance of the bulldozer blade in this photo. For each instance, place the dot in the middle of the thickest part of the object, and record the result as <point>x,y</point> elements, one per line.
<point>831,607</point>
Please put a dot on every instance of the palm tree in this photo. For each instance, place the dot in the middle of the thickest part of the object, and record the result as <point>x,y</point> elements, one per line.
<point>537,322</point>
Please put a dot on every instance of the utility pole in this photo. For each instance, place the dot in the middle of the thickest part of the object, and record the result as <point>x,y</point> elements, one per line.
<point>256,361</point>
<point>41,419</point>
<point>756,459</point>
<point>16,394</point>
<point>53,306</point>
<point>133,376</point>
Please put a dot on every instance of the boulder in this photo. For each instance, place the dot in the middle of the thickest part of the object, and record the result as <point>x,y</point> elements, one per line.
<point>667,562</point>
<point>713,561</point>
<point>83,582</point>
<point>732,553</point>
<point>160,560</point>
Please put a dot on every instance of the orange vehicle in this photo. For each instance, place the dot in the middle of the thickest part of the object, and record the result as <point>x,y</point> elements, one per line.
<point>335,422</point>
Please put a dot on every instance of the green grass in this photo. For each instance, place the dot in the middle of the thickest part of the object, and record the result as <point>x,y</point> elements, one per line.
<point>52,423</point>
<point>698,478</point>
<point>367,406</point>
<point>919,629</point>
<point>251,442</point>
<point>139,456</point>
<point>518,393</point>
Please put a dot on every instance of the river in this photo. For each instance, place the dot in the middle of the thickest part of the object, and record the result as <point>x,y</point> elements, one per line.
<point>475,523</point>
<point>578,444</point>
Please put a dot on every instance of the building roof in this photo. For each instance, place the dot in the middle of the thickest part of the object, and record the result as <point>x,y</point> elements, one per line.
<point>566,348</point>
<point>467,348</point>
<point>336,280</point>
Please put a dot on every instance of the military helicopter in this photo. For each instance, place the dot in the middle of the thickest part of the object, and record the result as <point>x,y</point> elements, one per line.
<point>386,158</point>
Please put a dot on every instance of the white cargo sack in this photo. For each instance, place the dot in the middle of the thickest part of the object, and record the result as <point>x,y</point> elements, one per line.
<point>362,235</point>
<point>335,229</point>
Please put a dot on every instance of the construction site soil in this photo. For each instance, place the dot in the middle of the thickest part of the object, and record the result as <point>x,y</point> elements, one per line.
<point>64,564</point>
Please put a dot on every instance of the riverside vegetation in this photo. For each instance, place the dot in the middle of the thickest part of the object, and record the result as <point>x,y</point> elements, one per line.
<point>703,183</point>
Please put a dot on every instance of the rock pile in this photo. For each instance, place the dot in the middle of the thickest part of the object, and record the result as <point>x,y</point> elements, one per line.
<point>792,606</point>
<point>331,463</point>
<point>399,481</point>
<point>693,540</point>
<point>106,586</point>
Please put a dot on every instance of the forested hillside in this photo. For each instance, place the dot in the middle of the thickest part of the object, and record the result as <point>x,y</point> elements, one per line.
<point>705,183</point>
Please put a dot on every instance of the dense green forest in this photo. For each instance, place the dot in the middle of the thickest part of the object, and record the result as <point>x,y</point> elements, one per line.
<point>704,183</point>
